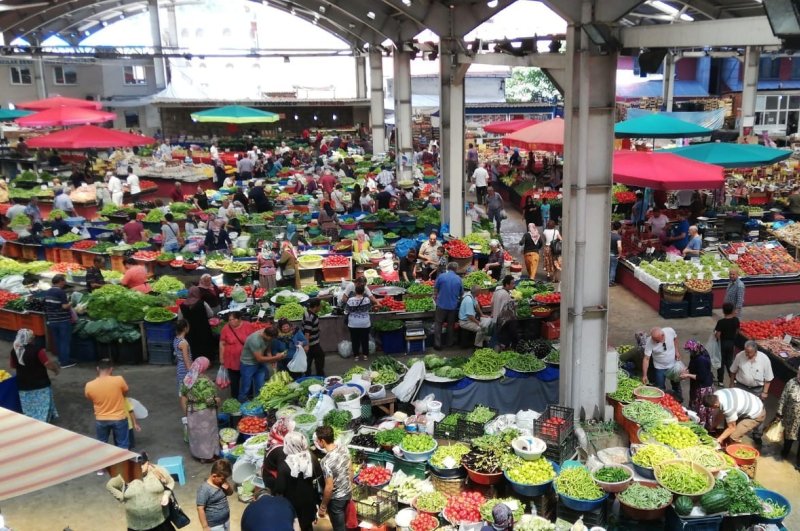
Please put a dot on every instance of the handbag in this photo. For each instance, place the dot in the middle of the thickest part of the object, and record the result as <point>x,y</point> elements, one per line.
<point>176,514</point>
<point>555,247</point>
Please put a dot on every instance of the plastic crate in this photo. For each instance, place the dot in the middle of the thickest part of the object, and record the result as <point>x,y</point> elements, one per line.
<point>558,434</point>
<point>551,330</point>
<point>440,431</point>
<point>160,352</point>
<point>469,430</point>
<point>558,453</point>
<point>9,320</point>
<point>598,517</point>
<point>32,252</point>
<point>706,523</point>
<point>159,332</point>
<point>673,310</point>
<point>12,249</point>
<point>409,468</point>
<point>382,507</point>
<point>127,353</point>
<point>393,342</point>
<point>336,274</point>
<point>700,304</point>
<point>32,321</point>
<point>83,350</point>
<point>545,505</point>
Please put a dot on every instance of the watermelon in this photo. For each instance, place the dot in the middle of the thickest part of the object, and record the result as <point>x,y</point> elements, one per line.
<point>683,505</point>
<point>715,501</point>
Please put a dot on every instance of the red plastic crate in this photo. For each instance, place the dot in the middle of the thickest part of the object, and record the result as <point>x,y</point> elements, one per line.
<point>551,330</point>
<point>336,274</point>
<point>9,320</point>
<point>51,254</point>
<point>33,321</point>
<point>12,250</point>
<point>30,252</point>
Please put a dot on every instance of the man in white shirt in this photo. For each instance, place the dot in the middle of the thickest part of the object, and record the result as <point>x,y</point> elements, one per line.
<point>214,151</point>
<point>226,211</point>
<point>15,210</point>
<point>657,222</point>
<point>133,182</point>
<point>751,371</point>
<point>743,413</point>
<point>481,179</point>
<point>115,189</point>
<point>662,347</point>
<point>385,177</point>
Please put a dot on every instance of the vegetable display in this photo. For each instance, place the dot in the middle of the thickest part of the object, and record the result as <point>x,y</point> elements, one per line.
<point>703,455</point>
<point>230,406</point>
<point>458,249</point>
<point>477,278</point>
<point>741,497</point>
<point>772,509</point>
<point>645,413</point>
<point>625,387</point>
<point>480,414</point>
<point>464,507</point>
<point>483,362</point>
<point>337,418</point>
<point>158,315</point>
<point>292,311</point>
<point>424,522</point>
<point>390,437</point>
<point>420,288</point>
<point>681,478</point>
<point>373,476</point>
<point>525,363</point>
<point>252,425</point>
<point>424,304</point>
<point>431,502</point>
<point>651,455</point>
<point>388,325</point>
<point>577,483</point>
<point>611,474</point>
<point>417,443</point>
<point>449,456</point>
<point>167,284</point>
<point>675,435</point>
<point>642,497</point>
<point>531,472</point>
<point>111,301</point>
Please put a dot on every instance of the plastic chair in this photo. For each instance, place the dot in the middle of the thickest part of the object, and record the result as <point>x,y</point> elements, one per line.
<point>174,465</point>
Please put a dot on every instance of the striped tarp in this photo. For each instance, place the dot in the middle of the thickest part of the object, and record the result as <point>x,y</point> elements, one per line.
<point>35,455</point>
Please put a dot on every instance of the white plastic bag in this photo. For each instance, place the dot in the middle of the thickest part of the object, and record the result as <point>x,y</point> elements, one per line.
<point>714,351</point>
<point>324,405</point>
<point>406,389</point>
<point>674,372</point>
<point>222,379</point>
<point>238,294</point>
<point>345,349</point>
<point>298,363</point>
<point>421,405</point>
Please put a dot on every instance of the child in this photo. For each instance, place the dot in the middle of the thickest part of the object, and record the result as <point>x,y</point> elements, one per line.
<point>545,210</point>
<point>133,424</point>
<point>442,267</point>
<point>212,498</point>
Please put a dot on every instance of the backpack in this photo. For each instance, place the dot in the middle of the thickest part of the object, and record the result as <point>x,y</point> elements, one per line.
<point>508,313</point>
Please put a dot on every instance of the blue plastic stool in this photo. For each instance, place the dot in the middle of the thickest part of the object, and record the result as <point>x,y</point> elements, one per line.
<point>174,465</point>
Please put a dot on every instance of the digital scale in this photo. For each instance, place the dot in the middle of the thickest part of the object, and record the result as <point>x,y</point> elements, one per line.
<point>415,337</point>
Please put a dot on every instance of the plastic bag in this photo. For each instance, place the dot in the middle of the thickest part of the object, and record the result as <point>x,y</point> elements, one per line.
<point>421,405</point>
<point>238,294</point>
<point>714,351</point>
<point>345,349</point>
<point>774,434</point>
<point>674,372</point>
<point>299,362</point>
<point>222,380</point>
<point>406,389</point>
<point>324,405</point>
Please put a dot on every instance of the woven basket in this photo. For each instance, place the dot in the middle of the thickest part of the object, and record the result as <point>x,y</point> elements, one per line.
<point>691,290</point>
<point>448,486</point>
<point>671,297</point>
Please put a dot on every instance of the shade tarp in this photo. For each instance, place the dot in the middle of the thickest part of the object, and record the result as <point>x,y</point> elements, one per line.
<point>730,155</point>
<point>89,136</point>
<point>12,114</point>
<point>658,126</point>
<point>59,101</point>
<point>545,136</point>
<point>235,114</point>
<point>505,127</point>
<point>61,116</point>
<point>664,171</point>
<point>713,119</point>
<point>35,455</point>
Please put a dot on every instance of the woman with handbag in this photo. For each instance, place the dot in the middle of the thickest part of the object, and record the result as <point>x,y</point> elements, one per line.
<point>288,339</point>
<point>146,500</point>
<point>199,401</point>
<point>297,478</point>
<point>231,340</point>
<point>551,236</point>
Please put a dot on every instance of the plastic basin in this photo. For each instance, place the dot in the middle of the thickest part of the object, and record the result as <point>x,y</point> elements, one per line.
<point>741,461</point>
<point>582,505</point>
<point>418,457</point>
<point>768,495</point>
<point>636,513</point>
<point>533,490</point>
<point>536,447</point>
<point>484,479</point>
<point>648,473</point>
<point>615,486</point>
<point>457,472</point>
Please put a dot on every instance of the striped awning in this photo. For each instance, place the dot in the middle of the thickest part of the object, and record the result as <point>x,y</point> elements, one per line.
<point>35,455</point>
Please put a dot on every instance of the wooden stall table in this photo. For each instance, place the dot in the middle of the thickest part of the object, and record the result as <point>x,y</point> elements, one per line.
<point>385,404</point>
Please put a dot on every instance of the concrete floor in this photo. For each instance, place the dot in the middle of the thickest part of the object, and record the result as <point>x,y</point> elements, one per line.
<point>83,504</point>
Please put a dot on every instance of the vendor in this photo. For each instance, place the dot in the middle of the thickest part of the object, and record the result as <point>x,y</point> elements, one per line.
<point>210,293</point>
<point>743,412</point>
<point>658,221</point>
<point>288,261</point>
<point>135,276</point>
<point>679,234</point>
<point>176,195</point>
<point>695,244</point>
<point>408,266</point>
<point>428,255</point>
<point>133,230</point>
<point>328,222</point>
<point>200,199</point>
<point>94,274</point>
<point>217,238</point>
<point>59,226</point>
<point>494,264</point>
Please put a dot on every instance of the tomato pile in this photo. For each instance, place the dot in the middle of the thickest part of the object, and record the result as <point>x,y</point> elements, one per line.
<point>84,245</point>
<point>625,197</point>
<point>507,256</point>
<point>464,508</point>
<point>485,298</point>
<point>260,292</point>
<point>458,249</point>
<point>374,476</point>
<point>64,267</point>
<point>552,427</point>
<point>9,235</point>
<point>424,522</point>
<point>674,407</point>
<point>176,263</point>
<point>762,329</point>
<point>6,297</point>
<point>251,425</point>
<point>548,298</point>
<point>146,255</point>
<point>388,304</point>
<point>336,260</point>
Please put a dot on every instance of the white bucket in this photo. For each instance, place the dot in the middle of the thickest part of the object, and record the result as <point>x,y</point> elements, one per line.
<point>387,266</point>
<point>353,406</point>
<point>242,241</point>
<point>243,469</point>
<point>434,407</point>
<point>403,519</point>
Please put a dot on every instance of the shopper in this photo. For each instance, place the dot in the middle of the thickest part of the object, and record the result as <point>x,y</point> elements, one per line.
<point>107,394</point>
<point>94,274</point>
<point>197,313</point>
<point>472,160</point>
<point>789,413</point>
<point>328,221</point>
<point>726,331</point>
<point>132,184</point>
<point>481,179</point>
<point>446,294</point>
<point>315,355</point>
<point>551,235</point>
<point>31,364</point>
<point>231,341</point>
<point>751,371</point>
<point>502,519</point>
<point>545,210</point>
<point>743,412</point>
<point>531,243</point>
<point>145,499</point>
<point>338,474</point>
<point>616,252</point>
<point>276,510</point>
<point>734,292</point>
<point>213,511</point>
<point>504,314</point>
<point>532,212</point>
<point>255,356</point>
<point>58,316</point>
<point>357,310</point>
<point>199,402</point>
<point>217,238</point>
<point>494,207</point>
<point>470,316</point>
<point>287,341</point>
<point>133,230</point>
<point>662,347</point>
<point>171,238</point>
<point>701,381</point>
<point>297,477</point>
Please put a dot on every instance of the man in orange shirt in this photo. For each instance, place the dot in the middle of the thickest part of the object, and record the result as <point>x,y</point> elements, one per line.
<point>107,393</point>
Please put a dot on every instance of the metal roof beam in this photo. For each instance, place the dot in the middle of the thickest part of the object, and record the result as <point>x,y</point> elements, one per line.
<point>429,14</point>
<point>550,61</point>
<point>745,31</point>
<point>613,10</point>
<point>355,12</point>
<point>466,18</point>
<point>705,8</point>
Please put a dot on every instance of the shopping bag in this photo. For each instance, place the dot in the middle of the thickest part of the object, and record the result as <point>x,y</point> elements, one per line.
<point>674,372</point>
<point>714,351</point>
<point>774,433</point>
<point>223,380</point>
<point>238,294</point>
<point>351,515</point>
<point>298,363</point>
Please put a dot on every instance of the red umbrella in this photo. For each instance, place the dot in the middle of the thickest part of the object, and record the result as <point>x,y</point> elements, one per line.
<point>59,101</point>
<point>665,171</point>
<point>65,116</point>
<point>545,136</point>
<point>504,127</point>
<point>89,136</point>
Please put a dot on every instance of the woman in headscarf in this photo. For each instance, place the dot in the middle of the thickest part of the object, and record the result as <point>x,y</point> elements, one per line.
<point>701,381</point>
<point>531,243</point>
<point>210,293</point>
<point>287,340</point>
<point>145,499</point>
<point>288,262</point>
<point>217,238</point>
<point>296,477</point>
<point>197,313</point>
<point>328,222</point>
<point>361,243</point>
<point>494,262</point>
<point>200,402</point>
<point>31,364</point>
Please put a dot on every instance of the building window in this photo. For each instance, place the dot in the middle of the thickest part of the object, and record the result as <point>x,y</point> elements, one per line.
<point>795,68</point>
<point>131,119</point>
<point>21,75</point>
<point>135,75</point>
<point>769,68</point>
<point>65,75</point>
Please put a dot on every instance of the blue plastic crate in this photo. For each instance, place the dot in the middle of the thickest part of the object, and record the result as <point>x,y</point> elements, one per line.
<point>159,331</point>
<point>160,353</point>
<point>706,523</point>
<point>393,342</point>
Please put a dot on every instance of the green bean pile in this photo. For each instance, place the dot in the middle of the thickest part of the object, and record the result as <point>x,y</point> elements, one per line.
<point>641,497</point>
<point>577,482</point>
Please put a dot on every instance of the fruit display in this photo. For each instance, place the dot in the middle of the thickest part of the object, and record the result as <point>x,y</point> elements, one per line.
<point>336,260</point>
<point>388,304</point>
<point>548,298</point>
<point>673,289</point>
<point>761,258</point>
<point>458,249</point>
<point>699,285</point>
<point>424,522</point>
<point>373,476</point>
<point>708,267</point>
<point>464,507</point>
<point>251,425</point>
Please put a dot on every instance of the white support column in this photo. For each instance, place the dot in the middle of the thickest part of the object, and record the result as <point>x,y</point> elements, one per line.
<point>155,31</point>
<point>404,145</point>
<point>451,110</point>
<point>39,81</point>
<point>172,27</point>
<point>589,108</point>
<point>361,75</point>
<point>669,81</point>
<point>752,57</point>
<point>376,110</point>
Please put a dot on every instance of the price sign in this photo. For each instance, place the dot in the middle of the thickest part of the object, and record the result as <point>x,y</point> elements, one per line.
<point>787,339</point>
<point>261,314</point>
<point>733,258</point>
<point>44,187</point>
<point>76,230</point>
<point>55,232</point>
<point>390,466</point>
<point>536,196</point>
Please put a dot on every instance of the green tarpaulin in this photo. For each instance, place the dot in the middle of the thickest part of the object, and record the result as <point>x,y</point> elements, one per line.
<point>658,126</point>
<point>731,155</point>
<point>235,114</point>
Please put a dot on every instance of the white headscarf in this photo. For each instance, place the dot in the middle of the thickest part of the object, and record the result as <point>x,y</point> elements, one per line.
<point>24,337</point>
<point>295,446</point>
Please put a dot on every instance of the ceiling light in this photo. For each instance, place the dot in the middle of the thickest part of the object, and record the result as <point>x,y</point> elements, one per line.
<point>104,23</point>
<point>407,3</point>
<point>293,12</point>
<point>371,15</point>
<point>286,59</point>
<point>296,117</point>
<point>87,33</point>
<point>315,117</point>
<point>670,10</point>
<point>492,3</point>
<point>322,9</point>
<point>334,117</point>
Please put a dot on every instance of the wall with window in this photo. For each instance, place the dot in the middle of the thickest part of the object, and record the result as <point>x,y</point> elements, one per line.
<point>128,78</point>
<point>72,79</point>
<point>778,112</point>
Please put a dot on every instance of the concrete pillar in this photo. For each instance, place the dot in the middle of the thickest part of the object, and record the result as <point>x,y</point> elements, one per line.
<point>587,370</point>
<point>172,27</point>
<point>451,116</point>
<point>361,76</point>
<point>376,101</point>
<point>155,31</point>
<point>669,81</point>
<point>39,80</point>
<point>404,145</point>
<point>752,57</point>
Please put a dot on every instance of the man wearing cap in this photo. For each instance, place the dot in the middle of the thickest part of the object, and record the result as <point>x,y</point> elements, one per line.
<point>503,519</point>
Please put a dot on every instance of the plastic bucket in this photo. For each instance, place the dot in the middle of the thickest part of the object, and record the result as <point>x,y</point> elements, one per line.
<point>387,266</point>
<point>353,406</point>
<point>243,470</point>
